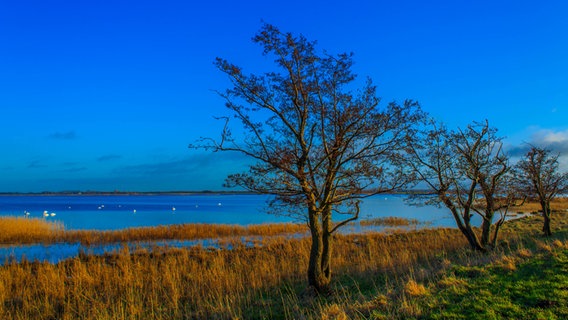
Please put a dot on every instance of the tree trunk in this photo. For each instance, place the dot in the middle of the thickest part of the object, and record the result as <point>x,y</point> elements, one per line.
<point>326,255</point>
<point>486,229</point>
<point>463,223</point>
<point>467,230</point>
<point>496,232</point>
<point>319,274</point>
<point>472,238</point>
<point>546,215</point>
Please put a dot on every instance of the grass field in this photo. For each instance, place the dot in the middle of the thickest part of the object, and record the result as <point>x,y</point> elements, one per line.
<point>426,274</point>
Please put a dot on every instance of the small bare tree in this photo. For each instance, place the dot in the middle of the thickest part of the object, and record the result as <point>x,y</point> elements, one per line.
<point>465,171</point>
<point>317,146</point>
<point>538,176</point>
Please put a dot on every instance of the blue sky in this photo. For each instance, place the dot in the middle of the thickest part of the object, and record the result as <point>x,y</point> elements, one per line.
<point>107,95</point>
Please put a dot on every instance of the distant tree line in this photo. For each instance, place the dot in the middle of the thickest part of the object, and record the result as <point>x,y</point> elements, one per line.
<point>320,145</point>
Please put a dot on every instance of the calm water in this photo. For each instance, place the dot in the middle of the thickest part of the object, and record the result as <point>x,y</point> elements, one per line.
<point>127,211</point>
<point>120,212</point>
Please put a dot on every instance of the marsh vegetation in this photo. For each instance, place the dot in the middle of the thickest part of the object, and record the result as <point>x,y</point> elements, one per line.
<point>420,274</point>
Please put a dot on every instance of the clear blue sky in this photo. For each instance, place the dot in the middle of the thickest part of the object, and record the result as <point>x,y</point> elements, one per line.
<point>105,95</point>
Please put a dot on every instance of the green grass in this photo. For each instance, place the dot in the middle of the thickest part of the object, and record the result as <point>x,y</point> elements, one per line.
<point>536,289</point>
<point>514,286</point>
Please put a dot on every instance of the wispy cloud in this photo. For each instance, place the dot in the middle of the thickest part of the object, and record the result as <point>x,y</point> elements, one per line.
<point>109,157</point>
<point>70,135</point>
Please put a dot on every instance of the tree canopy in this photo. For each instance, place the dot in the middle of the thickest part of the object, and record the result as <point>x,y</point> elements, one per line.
<point>467,172</point>
<point>320,142</point>
<point>538,176</point>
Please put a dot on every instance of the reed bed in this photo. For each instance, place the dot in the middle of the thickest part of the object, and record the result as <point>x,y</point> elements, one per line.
<point>182,232</point>
<point>391,222</point>
<point>200,283</point>
<point>28,230</point>
<point>24,231</point>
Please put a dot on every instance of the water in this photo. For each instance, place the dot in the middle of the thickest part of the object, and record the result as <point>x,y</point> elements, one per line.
<point>127,211</point>
<point>54,253</point>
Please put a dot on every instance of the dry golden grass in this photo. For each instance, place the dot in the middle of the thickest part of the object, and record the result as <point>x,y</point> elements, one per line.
<point>507,263</point>
<point>414,289</point>
<point>28,230</point>
<point>558,204</point>
<point>390,222</point>
<point>524,253</point>
<point>182,232</point>
<point>558,243</point>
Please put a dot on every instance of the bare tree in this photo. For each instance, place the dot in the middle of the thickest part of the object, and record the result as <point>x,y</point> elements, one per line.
<point>539,177</point>
<point>465,171</point>
<point>318,146</point>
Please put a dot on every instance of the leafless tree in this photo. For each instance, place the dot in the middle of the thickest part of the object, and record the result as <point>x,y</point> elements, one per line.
<point>538,175</point>
<point>465,171</point>
<point>317,144</point>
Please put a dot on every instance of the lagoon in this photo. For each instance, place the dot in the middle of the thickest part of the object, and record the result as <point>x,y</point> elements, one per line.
<point>114,212</point>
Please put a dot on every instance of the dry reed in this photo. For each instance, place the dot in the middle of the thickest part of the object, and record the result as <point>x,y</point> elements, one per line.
<point>200,282</point>
<point>390,222</point>
<point>28,230</point>
<point>558,204</point>
<point>182,232</point>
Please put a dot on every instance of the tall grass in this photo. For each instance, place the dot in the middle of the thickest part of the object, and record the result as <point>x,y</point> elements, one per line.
<point>391,222</point>
<point>200,283</point>
<point>28,230</point>
<point>182,232</point>
<point>558,204</point>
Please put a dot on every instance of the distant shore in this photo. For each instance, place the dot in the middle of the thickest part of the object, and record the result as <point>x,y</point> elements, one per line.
<point>121,193</point>
<point>149,193</point>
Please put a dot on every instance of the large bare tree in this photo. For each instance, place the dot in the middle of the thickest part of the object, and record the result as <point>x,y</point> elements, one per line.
<point>539,177</point>
<point>318,144</point>
<point>465,171</point>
